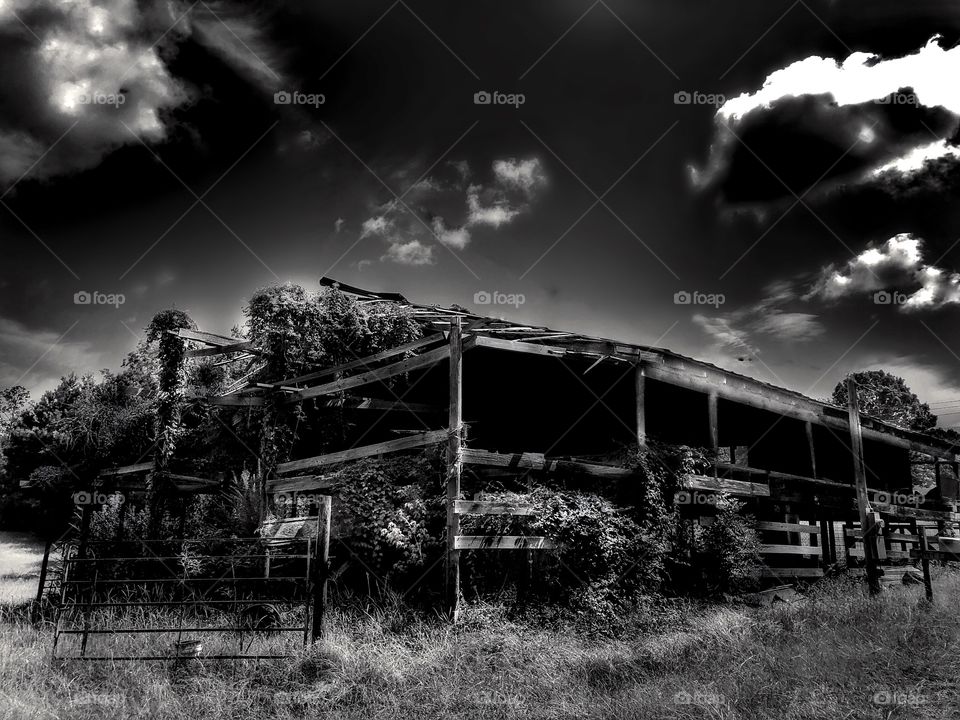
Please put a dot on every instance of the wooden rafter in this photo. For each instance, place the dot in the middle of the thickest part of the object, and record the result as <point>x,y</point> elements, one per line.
<point>405,443</point>
<point>427,359</point>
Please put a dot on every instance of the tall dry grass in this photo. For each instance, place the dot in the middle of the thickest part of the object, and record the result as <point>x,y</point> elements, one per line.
<point>834,654</point>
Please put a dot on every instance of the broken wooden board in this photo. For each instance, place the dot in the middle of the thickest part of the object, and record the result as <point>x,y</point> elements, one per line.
<point>503,542</point>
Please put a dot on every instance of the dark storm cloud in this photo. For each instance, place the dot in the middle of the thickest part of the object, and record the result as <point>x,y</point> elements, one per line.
<point>81,79</point>
<point>864,119</point>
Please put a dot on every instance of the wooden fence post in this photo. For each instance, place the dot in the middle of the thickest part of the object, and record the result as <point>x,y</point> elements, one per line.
<point>925,563</point>
<point>35,614</point>
<point>321,565</point>
<point>454,466</point>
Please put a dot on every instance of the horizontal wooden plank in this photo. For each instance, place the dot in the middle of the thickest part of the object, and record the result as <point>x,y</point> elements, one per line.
<point>914,512</point>
<point>299,483</point>
<point>405,443</point>
<point>768,572</point>
<point>503,542</point>
<point>536,461</point>
<point>519,346</point>
<point>738,488</point>
<point>697,376</point>
<point>365,403</point>
<point>897,554</point>
<point>491,507</point>
<point>237,400</point>
<point>204,337</point>
<point>941,555</point>
<point>362,362</point>
<point>789,527</point>
<point>427,359</point>
<point>128,469</point>
<point>789,550</point>
<point>245,346</point>
<point>894,537</point>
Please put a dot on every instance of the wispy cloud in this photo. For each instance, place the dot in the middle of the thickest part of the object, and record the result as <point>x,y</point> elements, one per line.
<point>514,185</point>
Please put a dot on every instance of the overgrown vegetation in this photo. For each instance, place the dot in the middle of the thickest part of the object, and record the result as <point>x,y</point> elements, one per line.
<point>836,653</point>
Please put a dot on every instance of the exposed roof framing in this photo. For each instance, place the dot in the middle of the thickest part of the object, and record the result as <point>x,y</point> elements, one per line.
<point>660,364</point>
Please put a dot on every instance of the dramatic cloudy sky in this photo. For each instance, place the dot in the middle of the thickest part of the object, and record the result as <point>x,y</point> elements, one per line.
<point>798,160</point>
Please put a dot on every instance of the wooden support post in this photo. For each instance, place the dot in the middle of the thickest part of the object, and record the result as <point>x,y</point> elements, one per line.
<point>808,426</point>
<point>321,565</point>
<point>827,551</point>
<point>793,538</point>
<point>714,434</point>
<point>641,385</point>
<point>937,473</point>
<point>879,531</point>
<point>925,563</point>
<point>454,466</point>
<point>870,535</point>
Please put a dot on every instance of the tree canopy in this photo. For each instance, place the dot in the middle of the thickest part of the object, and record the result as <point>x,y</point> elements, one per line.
<point>152,406</point>
<point>887,397</point>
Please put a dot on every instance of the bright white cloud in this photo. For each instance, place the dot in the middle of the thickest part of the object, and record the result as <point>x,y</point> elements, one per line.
<point>494,215</point>
<point>457,238</point>
<point>526,175</point>
<point>840,85</point>
<point>915,160</point>
<point>411,252</point>
<point>862,77</point>
<point>378,225</point>
<point>897,271</point>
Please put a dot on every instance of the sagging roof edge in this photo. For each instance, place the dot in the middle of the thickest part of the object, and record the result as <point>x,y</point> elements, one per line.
<point>667,366</point>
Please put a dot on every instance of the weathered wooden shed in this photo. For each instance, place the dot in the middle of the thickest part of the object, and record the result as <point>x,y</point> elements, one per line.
<point>517,398</point>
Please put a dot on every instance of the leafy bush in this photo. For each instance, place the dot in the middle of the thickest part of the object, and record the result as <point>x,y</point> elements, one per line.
<point>391,513</point>
<point>729,549</point>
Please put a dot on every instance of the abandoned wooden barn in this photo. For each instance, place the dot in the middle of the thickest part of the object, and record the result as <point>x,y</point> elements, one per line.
<point>515,399</point>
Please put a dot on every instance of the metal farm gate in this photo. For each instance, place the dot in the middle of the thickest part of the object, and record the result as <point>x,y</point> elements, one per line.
<point>252,598</point>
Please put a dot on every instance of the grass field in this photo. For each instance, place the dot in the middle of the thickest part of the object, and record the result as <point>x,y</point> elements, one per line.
<point>835,653</point>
